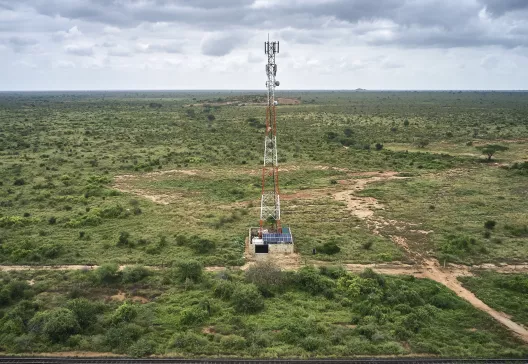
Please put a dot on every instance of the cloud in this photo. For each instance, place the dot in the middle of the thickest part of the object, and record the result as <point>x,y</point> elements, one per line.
<point>325,39</point>
<point>165,48</point>
<point>73,32</point>
<point>21,44</point>
<point>220,45</point>
<point>79,50</point>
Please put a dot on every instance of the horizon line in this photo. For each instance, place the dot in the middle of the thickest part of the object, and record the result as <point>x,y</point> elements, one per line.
<point>259,90</point>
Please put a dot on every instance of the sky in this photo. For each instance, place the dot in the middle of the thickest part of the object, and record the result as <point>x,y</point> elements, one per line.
<point>219,44</point>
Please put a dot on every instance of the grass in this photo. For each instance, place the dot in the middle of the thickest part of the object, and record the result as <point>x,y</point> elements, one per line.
<point>503,292</point>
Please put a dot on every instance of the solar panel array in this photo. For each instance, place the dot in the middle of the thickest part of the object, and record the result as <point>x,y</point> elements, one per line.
<point>276,238</point>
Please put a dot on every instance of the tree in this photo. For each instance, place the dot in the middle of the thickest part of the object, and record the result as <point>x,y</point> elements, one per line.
<point>57,324</point>
<point>190,269</point>
<point>247,298</point>
<point>491,149</point>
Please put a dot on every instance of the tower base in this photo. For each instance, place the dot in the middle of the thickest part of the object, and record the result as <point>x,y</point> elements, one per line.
<point>270,243</point>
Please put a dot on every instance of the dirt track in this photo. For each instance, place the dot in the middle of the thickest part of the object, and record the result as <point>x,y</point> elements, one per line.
<point>364,208</point>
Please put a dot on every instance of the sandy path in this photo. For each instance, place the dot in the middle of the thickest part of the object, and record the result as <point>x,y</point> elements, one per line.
<point>448,279</point>
<point>125,183</point>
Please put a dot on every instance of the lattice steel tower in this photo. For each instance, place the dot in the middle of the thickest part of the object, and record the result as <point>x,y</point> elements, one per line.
<point>270,201</point>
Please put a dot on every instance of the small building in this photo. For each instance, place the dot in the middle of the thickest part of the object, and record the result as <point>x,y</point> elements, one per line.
<point>270,242</point>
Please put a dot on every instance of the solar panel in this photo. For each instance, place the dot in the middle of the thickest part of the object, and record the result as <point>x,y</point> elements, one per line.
<point>275,238</point>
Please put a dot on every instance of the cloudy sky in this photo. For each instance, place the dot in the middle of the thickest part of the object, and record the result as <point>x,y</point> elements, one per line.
<point>218,44</point>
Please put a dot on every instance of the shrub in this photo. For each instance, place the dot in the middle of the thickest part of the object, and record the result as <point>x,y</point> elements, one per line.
<point>19,182</point>
<point>189,341</point>
<point>125,313</point>
<point>106,274</point>
<point>124,239</point>
<point>247,298</point>
<point>141,348</point>
<point>329,248</point>
<point>84,310</point>
<point>233,342</point>
<point>265,275</point>
<point>57,324</point>
<point>367,244</point>
<point>134,274</point>
<point>190,269</point>
<point>309,280</point>
<point>490,224</point>
<point>52,220</point>
<point>193,315</point>
<point>312,343</point>
<point>333,272</point>
<point>224,289</point>
<point>379,146</point>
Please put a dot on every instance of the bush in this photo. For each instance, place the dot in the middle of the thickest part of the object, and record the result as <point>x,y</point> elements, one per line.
<point>52,220</point>
<point>367,244</point>
<point>84,310</point>
<point>329,248</point>
<point>57,324</point>
<point>233,342</point>
<point>265,275</point>
<point>141,348</point>
<point>224,289</point>
<point>124,239</point>
<point>106,274</point>
<point>490,224</point>
<point>193,316</point>
<point>309,280</point>
<point>312,343</point>
<point>19,182</point>
<point>134,274</point>
<point>189,341</point>
<point>190,269</point>
<point>333,272</point>
<point>247,298</point>
<point>125,313</point>
<point>379,146</point>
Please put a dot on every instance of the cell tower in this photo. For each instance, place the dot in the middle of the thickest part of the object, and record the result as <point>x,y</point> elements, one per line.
<point>270,201</point>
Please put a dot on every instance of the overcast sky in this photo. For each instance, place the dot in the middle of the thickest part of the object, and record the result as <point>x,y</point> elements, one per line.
<point>218,44</point>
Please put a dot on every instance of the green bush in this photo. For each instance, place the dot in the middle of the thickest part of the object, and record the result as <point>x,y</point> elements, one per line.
<point>490,224</point>
<point>189,341</point>
<point>233,342</point>
<point>309,280</point>
<point>247,298</point>
<point>85,311</point>
<point>134,274</point>
<point>189,269</point>
<point>193,315</point>
<point>141,348</point>
<point>57,324</point>
<point>329,248</point>
<point>224,289</point>
<point>106,274</point>
<point>125,313</point>
<point>124,239</point>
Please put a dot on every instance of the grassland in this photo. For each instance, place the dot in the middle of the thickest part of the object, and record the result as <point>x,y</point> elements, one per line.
<point>157,178</point>
<point>504,292</point>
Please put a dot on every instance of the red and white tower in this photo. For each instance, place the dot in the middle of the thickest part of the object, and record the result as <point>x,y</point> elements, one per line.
<point>270,201</point>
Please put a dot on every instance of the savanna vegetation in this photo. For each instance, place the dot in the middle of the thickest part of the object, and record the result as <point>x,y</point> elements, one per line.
<point>262,312</point>
<point>171,181</point>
